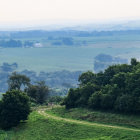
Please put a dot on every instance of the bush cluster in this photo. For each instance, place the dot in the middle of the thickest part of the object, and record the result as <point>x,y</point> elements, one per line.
<point>116,89</point>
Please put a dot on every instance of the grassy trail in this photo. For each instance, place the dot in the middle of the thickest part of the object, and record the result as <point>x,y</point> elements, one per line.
<point>42,112</point>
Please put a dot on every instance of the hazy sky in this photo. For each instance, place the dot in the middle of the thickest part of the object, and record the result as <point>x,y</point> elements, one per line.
<point>28,11</point>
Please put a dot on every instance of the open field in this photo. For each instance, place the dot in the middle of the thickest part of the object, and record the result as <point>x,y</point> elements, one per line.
<point>73,57</point>
<point>41,127</point>
<point>61,58</point>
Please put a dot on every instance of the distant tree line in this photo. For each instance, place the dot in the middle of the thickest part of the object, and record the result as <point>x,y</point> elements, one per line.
<point>66,33</point>
<point>62,80</point>
<point>116,89</point>
<point>68,41</point>
<point>12,43</point>
<point>102,61</point>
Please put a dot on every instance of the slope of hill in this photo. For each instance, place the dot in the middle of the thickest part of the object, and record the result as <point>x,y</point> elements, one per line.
<point>41,127</point>
<point>92,116</point>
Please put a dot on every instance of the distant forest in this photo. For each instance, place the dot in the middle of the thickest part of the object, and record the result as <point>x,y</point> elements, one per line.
<point>103,61</point>
<point>67,33</point>
<point>59,81</point>
<point>39,38</point>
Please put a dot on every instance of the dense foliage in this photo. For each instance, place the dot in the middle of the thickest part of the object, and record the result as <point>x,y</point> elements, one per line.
<point>55,100</point>
<point>117,89</point>
<point>39,92</point>
<point>14,107</point>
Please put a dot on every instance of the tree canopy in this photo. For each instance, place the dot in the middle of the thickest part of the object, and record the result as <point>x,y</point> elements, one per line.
<point>117,89</point>
<point>38,92</point>
<point>14,107</point>
<point>18,81</point>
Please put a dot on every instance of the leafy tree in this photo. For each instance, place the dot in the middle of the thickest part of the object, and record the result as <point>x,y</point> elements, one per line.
<point>38,92</point>
<point>132,82</point>
<point>18,81</point>
<point>100,78</point>
<point>71,100</point>
<point>85,92</point>
<point>125,103</point>
<point>55,99</point>
<point>95,101</point>
<point>115,69</point>
<point>119,79</point>
<point>86,77</point>
<point>134,62</point>
<point>107,102</point>
<point>14,107</point>
<point>109,94</point>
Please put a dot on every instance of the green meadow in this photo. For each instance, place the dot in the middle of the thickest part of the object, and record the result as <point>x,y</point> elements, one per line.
<point>41,127</point>
<point>83,114</point>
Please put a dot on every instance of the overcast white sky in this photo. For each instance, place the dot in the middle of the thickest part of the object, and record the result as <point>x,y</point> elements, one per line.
<point>28,11</point>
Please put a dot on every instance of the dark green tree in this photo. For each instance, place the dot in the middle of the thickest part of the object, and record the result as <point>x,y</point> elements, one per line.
<point>107,102</point>
<point>87,77</point>
<point>71,100</point>
<point>95,101</point>
<point>14,107</point>
<point>18,81</point>
<point>85,92</point>
<point>125,103</point>
<point>38,92</point>
<point>134,61</point>
<point>119,79</point>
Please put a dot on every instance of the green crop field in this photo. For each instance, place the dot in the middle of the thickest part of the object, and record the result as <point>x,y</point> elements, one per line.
<point>61,58</point>
<point>41,127</point>
<point>79,56</point>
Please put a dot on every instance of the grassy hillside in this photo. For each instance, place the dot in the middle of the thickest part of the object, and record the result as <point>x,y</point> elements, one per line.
<point>39,127</point>
<point>130,121</point>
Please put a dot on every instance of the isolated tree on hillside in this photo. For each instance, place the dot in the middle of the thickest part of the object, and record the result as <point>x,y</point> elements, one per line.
<point>14,107</point>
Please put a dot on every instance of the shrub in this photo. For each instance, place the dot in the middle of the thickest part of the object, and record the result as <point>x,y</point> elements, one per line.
<point>14,107</point>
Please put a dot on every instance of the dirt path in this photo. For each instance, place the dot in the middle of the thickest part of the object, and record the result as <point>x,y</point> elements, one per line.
<point>42,112</point>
